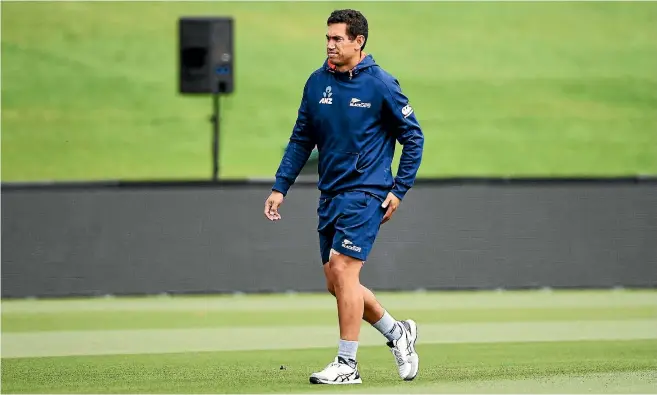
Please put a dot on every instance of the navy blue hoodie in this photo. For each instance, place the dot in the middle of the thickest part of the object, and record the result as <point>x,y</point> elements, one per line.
<point>354,119</point>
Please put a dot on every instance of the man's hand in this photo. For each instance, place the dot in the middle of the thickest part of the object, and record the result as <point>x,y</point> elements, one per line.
<point>391,202</point>
<point>272,204</point>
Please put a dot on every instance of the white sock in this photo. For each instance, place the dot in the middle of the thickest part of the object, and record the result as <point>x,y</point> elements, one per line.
<point>347,349</point>
<point>388,327</point>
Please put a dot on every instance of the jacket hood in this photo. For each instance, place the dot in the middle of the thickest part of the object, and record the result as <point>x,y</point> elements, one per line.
<point>366,62</point>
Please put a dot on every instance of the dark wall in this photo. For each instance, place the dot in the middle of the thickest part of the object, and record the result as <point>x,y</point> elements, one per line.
<point>133,240</point>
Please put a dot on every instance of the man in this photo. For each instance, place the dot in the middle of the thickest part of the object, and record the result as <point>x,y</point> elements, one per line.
<point>353,112</point>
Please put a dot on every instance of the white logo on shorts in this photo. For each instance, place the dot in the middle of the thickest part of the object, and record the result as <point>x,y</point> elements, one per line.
<point>350,246</point>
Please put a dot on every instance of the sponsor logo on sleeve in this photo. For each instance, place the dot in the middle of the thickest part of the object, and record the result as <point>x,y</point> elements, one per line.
<point>407,110</point>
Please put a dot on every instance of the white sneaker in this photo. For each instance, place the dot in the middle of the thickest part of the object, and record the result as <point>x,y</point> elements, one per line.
<point>408,362</point>
<point>337,372</point>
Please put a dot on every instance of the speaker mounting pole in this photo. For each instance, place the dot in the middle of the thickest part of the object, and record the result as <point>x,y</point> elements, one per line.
<point>215,135</point>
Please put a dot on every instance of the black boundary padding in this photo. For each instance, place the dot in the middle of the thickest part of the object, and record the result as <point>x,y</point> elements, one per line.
<point>266,183</point>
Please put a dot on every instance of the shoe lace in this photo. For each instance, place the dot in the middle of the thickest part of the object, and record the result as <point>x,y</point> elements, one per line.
<point>333,364</point>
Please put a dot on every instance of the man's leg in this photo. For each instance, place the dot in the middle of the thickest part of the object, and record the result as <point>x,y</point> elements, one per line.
<point>345,274</point>
<point>344,369</point>
<point>372,309</point>
<point>373,312</point>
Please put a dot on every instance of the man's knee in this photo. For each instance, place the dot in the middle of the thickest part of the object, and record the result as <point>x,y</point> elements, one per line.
<point>342,267</point>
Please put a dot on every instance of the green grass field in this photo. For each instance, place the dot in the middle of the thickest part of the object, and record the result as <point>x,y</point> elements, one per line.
<point>501,88</point>
<point>470,342</point>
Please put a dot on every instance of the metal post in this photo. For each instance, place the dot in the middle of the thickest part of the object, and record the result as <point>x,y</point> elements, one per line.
<point>215,137</point>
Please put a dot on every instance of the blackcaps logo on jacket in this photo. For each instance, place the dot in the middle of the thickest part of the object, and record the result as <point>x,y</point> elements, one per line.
<point>355,102</point>
<point>407,110</point>
<point>327,99</point>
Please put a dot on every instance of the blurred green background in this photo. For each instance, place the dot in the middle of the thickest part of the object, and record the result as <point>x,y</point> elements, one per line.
<point>89,89</point>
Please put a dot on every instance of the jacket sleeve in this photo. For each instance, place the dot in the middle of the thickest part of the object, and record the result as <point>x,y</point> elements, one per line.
<point>298,149</point>
<point>407,131</point>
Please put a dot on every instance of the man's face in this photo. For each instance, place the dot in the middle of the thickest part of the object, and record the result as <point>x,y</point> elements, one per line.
<point>339,48</point>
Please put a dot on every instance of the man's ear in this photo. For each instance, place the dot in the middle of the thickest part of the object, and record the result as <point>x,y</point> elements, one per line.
<point>361,41</point>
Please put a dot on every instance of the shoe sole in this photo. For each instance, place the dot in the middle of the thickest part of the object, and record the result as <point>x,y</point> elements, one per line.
<point>415,358</point>
<point>317,380</point>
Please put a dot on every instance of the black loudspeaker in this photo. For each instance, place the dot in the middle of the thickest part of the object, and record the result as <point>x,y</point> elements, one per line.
<point>206,58</point>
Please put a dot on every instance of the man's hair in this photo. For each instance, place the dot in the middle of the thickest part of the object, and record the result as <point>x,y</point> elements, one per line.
<point>355,21</point>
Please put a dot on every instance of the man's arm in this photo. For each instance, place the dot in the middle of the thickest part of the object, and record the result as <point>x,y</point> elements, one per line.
<point>298,150</point>
<point>409,134</point>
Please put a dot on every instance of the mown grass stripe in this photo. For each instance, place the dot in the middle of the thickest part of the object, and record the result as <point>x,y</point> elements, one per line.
<point>119,320</point>
<point>299,337</point>
<point>419,300</point>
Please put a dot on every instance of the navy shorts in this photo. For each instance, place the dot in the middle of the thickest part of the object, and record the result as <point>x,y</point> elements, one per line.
<point>349,224</point>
